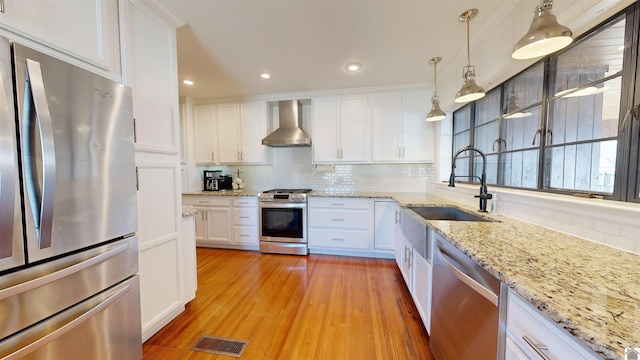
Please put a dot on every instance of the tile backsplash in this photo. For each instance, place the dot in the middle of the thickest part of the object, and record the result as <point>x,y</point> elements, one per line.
<point>291,167</point>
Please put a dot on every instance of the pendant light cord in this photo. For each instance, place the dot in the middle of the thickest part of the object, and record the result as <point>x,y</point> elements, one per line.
<point>468,46</point>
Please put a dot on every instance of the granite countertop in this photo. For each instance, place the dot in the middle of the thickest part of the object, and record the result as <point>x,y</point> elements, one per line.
<point>590,289</point>
<point>243,192</point>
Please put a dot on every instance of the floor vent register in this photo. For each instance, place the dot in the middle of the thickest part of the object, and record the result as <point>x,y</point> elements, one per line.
<point>220,346</point>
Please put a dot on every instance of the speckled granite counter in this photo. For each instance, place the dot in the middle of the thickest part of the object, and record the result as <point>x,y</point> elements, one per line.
<point>244,192</point>
<point>590,289</point>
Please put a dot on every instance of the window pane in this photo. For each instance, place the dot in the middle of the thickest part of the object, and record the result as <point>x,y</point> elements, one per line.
<point>460,141</point>
<point>462,119</point>
<point>595,57</point>
<point>583,167</point>
<point>486,137</point>
<point>592,116</point>
<point>525,89</point>
<point>521,169</point>
<point>488,108</point>
<point>521,133</point>
<point>491,171</point>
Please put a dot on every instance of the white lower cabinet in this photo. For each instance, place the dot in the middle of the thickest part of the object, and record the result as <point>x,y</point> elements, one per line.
<point>343,226</point>
<point>245,221</point>
<point>386,217</point>
<point>531,335</point>
<point>225,221</point>
<point>416,269</point>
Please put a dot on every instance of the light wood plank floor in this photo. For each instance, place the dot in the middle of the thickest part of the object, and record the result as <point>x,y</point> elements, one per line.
<point>296,307</point>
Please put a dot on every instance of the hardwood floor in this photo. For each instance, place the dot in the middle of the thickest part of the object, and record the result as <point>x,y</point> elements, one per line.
<point>296,307</point>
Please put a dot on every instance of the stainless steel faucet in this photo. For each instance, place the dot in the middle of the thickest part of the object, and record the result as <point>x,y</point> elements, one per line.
<point>484,195</point>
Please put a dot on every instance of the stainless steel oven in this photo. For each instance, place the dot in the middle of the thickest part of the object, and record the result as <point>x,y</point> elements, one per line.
<point>283,221</point>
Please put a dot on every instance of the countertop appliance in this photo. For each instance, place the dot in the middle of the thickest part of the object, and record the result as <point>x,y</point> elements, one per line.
<point>464,313</point>
<point>68,220</point>
<point>211,180</point>
<point>225,182</point>
<point>282,217</point>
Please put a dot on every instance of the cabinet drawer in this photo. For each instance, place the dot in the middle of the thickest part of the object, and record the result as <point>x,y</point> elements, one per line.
<point>245,201</point>
<point>342,219</point>
<point>342,239</point>
<point>246,216</point>
<point>340,203</point>
<point>524,321</point>
<point>207,200</point>
<point>246,235</point>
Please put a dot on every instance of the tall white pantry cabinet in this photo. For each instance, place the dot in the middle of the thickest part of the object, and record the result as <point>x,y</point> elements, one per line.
<point>134,42</point>
<point>149,58</point>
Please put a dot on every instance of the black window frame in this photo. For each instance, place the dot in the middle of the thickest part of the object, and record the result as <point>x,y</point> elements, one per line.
<point>627,168</point>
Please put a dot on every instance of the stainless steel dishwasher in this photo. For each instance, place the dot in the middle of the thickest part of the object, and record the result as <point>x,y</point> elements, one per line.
<point>464,313</point>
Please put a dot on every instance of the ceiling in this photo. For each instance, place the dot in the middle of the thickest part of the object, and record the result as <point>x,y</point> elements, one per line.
<point>224,45</point>
<point>305,44</point>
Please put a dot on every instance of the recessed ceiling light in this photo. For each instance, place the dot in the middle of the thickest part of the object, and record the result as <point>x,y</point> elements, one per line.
<point>187,82</point>
<point>353,67</point>
<point>265,76</point>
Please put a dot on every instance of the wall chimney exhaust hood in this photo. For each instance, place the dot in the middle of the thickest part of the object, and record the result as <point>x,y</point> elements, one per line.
<point>289,132</point>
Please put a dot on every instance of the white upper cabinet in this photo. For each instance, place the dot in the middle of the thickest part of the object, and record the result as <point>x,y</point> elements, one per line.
<point>83,32</point>
<point>417,134</point>
<point>340,129</point>
<point>241,128</point>
<point>399,132</point>
<point>385,127</point>
<point>204,137</point>
<point>151,71</point>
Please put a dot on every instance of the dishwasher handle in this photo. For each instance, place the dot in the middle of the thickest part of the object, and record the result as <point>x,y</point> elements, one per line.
<point>466,279</point>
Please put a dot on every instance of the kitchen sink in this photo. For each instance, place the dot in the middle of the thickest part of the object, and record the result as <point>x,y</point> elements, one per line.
<point>446,213</point>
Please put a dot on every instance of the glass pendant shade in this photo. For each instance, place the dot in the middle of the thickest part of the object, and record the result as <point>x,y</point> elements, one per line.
<point>470,91</point>
<point>545,36</point>
<point>436,114</point>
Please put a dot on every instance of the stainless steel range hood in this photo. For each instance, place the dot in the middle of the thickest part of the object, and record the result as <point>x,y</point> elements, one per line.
<point>289,132</point>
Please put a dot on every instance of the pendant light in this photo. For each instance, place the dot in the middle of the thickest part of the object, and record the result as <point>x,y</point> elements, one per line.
<point>545,35</point>
<point>470,91</point>
<point>513,110</point>
<point>436,114</point>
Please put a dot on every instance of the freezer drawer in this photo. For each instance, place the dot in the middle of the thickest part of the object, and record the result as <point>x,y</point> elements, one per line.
<point>38,292</point>
<point>102,327</point>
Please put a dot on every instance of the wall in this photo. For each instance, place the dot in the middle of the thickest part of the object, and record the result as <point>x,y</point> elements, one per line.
<point>292,168</point>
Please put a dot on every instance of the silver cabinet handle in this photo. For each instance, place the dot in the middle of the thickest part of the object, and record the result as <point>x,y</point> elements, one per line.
<point>337,204</point>
<point>337,153</point>
<point>47,279</point>
<point>42,209</point>
<point>337,239</point>
<point>536,347</point>
<point>397,217</point>
<point>406,254</point>
<point>8,174</point>
<point>466,279</point>
<point>213,156</point>
<point>337,219</point>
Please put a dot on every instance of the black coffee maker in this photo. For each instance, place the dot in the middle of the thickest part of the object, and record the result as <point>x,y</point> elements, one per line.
<point>211,179</point>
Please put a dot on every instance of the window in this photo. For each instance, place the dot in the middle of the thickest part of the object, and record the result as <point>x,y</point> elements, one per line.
<point>564,124</point>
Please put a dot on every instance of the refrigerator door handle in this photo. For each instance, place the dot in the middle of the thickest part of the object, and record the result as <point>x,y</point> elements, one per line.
<point>7,175</point>
<point>41,195</point>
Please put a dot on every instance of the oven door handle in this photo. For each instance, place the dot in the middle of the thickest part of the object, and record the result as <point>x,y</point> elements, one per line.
<point>282,205</point>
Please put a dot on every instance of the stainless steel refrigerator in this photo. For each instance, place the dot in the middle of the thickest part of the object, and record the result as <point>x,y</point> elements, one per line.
<point>68,247</point>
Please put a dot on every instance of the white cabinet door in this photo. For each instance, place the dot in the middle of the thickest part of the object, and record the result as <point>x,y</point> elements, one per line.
<point>85,30</point>
<point>253,128</point>
<point>385,225</point>
<point>385,127</point>
<point>422,288</point>
<point>201,224</point>
<point>417,135</point>
<point>219,225</point>
<point>353,129</point>
<point>229,132</point>
<point>205,141</point>
<point>151,72</point>
<point>325,129</point>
